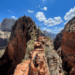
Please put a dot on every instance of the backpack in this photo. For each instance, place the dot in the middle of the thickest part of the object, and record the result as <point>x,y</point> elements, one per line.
<point>34,59</point>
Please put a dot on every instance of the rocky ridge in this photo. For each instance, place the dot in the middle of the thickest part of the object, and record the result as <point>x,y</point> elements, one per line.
<point>53,59</point>
<point>16,48</point>
<point>52,63</point>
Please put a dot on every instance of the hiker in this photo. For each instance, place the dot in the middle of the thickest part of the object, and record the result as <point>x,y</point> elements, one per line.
<point>36,60</point>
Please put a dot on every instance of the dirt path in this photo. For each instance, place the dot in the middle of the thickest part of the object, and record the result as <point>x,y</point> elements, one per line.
<point>28,68</point>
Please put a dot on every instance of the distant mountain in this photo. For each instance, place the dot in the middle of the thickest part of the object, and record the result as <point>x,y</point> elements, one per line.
<point>47,34</point>
<point>7,24</point>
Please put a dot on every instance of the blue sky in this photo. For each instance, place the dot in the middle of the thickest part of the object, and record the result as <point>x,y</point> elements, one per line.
<point>50,15</point>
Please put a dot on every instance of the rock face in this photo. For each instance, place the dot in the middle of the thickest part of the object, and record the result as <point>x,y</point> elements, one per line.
<point>53,59</point>
<point>7,24</point>
<point>57,40</point>
<point>68,47</point>
<point>4,36</point>
<point>15,50</point>
<point>4,39</point>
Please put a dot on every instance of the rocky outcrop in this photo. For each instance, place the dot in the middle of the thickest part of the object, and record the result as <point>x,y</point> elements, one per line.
<point>28,67</point>
<point>68,47</point>
<point>57,40</point>
<point>7,24</point>
<point>53,59</point>
<point>15,50</point>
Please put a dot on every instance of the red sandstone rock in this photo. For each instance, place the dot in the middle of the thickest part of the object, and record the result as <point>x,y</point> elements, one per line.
<point>15,50</point>
<point>68,46</point>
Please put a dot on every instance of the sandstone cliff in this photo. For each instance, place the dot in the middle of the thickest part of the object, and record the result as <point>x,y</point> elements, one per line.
<point>7,24</point>
<point>16,48</point>
<point>68,47</point>
<point>57,40</point>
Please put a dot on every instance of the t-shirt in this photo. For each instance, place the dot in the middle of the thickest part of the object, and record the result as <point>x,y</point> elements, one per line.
<point>35,57</point>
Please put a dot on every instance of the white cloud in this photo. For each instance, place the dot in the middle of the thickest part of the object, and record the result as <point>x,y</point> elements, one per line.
<point>53,30</point>
<point>13,17</point>
<point>40,24</point>
<point>45,8</point>
<point>44,28</point>
<point>61,29</point>
<point>65,23</point>
<point>55,21</point>
<point>8,10</point>
<point>48,30</point>
<point>40,16</point>
<point>39,6</point>
<point>50,22</point>
<point>69,15</point>
<point>55,27</point>
<point>30,11</point>
<point>43,0</point>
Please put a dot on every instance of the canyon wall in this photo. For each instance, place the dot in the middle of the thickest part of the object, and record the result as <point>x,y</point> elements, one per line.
<point>7,24</point>
<point>15,50</point>
<point>57,40</point>
<point>68,47</point>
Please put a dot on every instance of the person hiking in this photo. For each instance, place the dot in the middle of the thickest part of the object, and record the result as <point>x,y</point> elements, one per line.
<point>36,60</point>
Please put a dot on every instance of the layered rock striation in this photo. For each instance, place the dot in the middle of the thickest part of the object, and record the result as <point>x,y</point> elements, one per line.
<point>57,40</point>
<point>7,24</point>
<point>16,48</point>
<point>68,47</point>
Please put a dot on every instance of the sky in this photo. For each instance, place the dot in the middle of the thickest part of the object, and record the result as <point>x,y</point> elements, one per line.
<point>50,15</point>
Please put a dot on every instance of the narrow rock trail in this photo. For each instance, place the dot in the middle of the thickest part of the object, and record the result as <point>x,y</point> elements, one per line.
<point>28,68</point>
<point>42,68</point>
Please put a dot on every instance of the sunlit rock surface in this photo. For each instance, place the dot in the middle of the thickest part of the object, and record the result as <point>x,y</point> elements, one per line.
<point>68,46</point>
<point>15,50</point>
